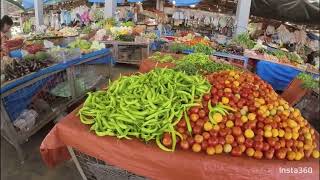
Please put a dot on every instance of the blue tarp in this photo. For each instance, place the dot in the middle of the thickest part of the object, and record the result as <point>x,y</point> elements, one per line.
<point>118,1</point>
<point>279,76</point>
<point>102,1</point>
<point>186,2</point>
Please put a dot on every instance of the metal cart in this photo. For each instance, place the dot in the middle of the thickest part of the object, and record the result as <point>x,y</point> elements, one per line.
<point>91,168</point>
<point>32,101</point>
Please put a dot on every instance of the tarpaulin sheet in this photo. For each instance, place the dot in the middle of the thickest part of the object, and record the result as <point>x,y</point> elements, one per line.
<point>56,67</point>
<point>150,161</point>
<point>185,2</point>
<point>279,76</point>
<point>299,11</point>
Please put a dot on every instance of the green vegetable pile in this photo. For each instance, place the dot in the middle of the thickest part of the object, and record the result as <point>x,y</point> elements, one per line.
<point>178,47</point>
<point>294,58</point>
<point>308,81</point>
<point>128,24</point>
<point>202,48</point>
<point>199,63</point>
<point>143,106</point>
<point>125,37</point>
<point>244,41</point>
<point>198,48</point>
<point>162,58</point>
<point>86,30</point>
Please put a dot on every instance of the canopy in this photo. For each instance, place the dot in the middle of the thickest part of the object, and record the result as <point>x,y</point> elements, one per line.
<point>298,11</point>
<point>185,2</point>
<point>102,1</point>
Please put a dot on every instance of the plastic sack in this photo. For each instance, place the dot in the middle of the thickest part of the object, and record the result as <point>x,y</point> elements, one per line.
<point>26,120</point>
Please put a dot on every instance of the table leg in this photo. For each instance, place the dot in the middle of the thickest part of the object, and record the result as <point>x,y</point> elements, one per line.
<point>76,162</point>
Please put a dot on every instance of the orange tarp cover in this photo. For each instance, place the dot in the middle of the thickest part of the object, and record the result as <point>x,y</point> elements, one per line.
<point>150,161</point>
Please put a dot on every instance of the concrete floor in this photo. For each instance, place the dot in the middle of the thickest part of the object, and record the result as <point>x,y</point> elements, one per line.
<point>33,167</point>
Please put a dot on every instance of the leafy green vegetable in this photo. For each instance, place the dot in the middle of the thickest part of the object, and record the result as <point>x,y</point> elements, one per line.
<point>244,41</point>
<point>202,48</point>
<point>178,47</point>
<point>198,48</point>
<point>294,58</point>
<point>86,30</point>
<point>143,106</point>
<point>199,63</point>
<point>41,56</point>
<point>124,37</point>
<point>162,58</point>
<point>309,82</point>
<point>128,24</point>
<point>279,54</point>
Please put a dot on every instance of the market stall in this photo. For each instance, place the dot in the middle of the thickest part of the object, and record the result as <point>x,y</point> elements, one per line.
<point>31,101</point>
<point>149,161</point>
<point>224,112</point>
<point>206,102</point>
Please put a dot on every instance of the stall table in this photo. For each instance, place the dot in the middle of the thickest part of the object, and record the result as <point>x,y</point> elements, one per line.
<point>279,75</point>
<point>49,92</point>
<point>129,52</point>
<point>149,161</point>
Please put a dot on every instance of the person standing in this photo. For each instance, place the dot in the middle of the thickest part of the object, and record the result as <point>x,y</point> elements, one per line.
<point>5,26</point>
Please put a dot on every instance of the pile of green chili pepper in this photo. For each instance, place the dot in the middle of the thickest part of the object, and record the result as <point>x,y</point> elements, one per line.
<point>143,106</point>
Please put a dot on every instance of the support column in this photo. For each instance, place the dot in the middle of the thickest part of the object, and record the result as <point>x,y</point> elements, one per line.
<point>38,10</point>
<point>242,16</point>
<point>158,5</point>
<point>161,5</point>
<point>4,8</point>
<point>110,7</point>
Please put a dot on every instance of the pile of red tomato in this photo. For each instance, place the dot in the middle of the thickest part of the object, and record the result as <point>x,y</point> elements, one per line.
<point>263,125</point>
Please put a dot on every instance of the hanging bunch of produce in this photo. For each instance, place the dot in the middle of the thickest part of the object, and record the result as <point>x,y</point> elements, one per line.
<point>143,106</point>
<point>27,26</point>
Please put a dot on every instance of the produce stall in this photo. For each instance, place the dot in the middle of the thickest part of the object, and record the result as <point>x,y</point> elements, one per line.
<point>149,161</point>
<point>29,102</point>
<point>129,52</point>
<point>200,106</point>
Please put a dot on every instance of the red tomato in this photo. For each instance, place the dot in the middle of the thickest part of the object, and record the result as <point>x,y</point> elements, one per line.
<point>184,144</point>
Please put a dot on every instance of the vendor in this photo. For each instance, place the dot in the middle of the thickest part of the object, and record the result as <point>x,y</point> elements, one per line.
<point>5,25</point>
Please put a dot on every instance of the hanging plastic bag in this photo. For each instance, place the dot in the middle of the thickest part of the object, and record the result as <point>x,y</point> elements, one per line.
<point>26,120</point>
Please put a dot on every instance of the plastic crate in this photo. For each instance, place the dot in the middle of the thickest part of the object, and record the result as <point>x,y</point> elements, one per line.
<point>91,168</point>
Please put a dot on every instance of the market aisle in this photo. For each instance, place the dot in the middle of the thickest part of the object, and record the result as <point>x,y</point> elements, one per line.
<point>34,168</point>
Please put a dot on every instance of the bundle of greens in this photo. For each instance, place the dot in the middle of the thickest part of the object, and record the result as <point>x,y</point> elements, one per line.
<point>199,63</point>
<point>178,47</point>
<point>162,58</point>
<point>244,41</point>
<point>308,81</point>
<point>202,48</point>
